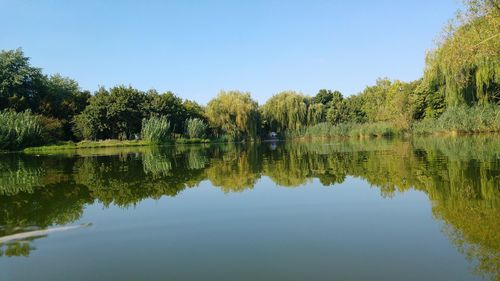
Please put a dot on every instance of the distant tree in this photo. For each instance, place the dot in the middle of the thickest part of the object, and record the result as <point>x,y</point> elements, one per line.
<point>20,83</point>
<point>194,110</point>
<point>286,111</point>
<point>168,105</point>
<point>355,111</point>
<point>235,113</point>
<point>337,112</point>
<point>116,113</point>
<point>325,96</point>
<point>464,66</point>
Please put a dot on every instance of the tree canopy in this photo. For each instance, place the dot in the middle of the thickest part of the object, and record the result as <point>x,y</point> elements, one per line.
<point>234,113</point>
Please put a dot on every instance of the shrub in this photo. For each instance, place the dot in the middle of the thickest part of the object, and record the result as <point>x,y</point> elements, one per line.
<point>196,128</point>
<point>19,129</point>
<point>156,129</point>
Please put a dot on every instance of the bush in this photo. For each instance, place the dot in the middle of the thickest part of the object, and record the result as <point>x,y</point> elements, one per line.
<point>19,129</point>
<point>156,129</point>
<point>196,128</point>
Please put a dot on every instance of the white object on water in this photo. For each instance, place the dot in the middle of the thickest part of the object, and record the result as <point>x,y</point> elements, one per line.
<point>43,232</point>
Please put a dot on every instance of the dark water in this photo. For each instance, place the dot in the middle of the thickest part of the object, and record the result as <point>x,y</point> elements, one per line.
<point>425,209</point>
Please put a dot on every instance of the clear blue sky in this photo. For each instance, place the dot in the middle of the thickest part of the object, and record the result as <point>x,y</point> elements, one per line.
<point>196,48</point>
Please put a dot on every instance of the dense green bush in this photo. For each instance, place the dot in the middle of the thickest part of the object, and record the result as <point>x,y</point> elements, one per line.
<point>156,129</point>
<point>196,128</point>
<point>19,129</point>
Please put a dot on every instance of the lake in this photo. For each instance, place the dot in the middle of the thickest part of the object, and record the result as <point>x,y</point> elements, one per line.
<point>419,209</point>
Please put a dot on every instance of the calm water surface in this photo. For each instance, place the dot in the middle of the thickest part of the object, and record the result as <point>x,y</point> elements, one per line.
<point>425,209</point>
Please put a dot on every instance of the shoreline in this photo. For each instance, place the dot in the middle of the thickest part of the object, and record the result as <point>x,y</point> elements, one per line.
<point>112,143</point>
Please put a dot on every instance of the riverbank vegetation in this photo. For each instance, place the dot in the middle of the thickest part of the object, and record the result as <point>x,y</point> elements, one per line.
<point>459,92</point>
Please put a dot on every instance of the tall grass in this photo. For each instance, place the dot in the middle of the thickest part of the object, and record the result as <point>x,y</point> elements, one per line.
<point>196,128</point>
<point>378,129</point>
<point>355,130</point>
<point>462,119</point>
<point>19,129</point>
<point>156,129</point>
<point>325,130</point>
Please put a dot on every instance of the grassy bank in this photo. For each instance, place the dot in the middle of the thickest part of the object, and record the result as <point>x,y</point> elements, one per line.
<point>86,144</point>
<point>65,146</point>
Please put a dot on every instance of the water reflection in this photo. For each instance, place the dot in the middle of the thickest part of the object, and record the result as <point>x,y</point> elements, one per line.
<point>461,176</point>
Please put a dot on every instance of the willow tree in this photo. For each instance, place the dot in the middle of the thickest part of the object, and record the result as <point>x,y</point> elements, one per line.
<point>286,111</point>
<point>235,113</point>
<point>465,66</point>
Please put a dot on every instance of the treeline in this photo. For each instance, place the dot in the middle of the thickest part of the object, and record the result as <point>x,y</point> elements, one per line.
<point>459,91</point>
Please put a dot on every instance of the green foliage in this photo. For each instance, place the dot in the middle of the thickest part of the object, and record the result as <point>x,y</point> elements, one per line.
<point>326,129</point>
<point>377,129</point>
<point>354,105</point>
<point>156,129</point>
<point>70,147</point>
<point>234,113</point>
<point>286,111</point>
<point>338,111</point>
<point>52,129</point>
<point>196,128</point>
<point>325,96</point>
<point>465,66</point>
<point>20,83</point>
<point>192,140</point>
<point>170,106</point>
<point>354,130</point>
<point>25,87</point>
<point>19,130</point>
<point>462,119</point>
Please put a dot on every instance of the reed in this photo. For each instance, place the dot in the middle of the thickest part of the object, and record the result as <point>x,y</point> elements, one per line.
<point>156,129</point>
<point>19,130</point>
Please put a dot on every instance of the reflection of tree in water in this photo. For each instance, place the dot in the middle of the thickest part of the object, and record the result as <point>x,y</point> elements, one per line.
<point>460,175</point>
<point>16,249</point>
<point>234,168</point>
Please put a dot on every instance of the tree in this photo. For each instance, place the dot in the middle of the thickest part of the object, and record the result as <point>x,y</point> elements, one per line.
<point>116,113</point>
<point>20,83</point>
<point>168,105</point>
<point>464,67</point>
<point>401,104</point>
<point>337,112</point>
<point>235,113</point>
<point>93,122</point>
<point>286,111</point>
<point>354,106</point>
<point>374,99</point>
<point>325,96</point>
